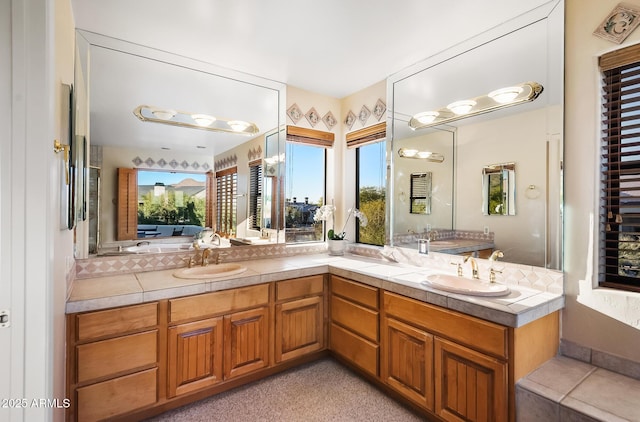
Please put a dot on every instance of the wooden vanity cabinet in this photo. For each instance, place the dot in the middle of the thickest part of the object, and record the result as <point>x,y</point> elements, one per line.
<point>449,363</point>
<point>112,361</point>
<point>354,328</point>
<point>299,319</point>
<point>217,336</point>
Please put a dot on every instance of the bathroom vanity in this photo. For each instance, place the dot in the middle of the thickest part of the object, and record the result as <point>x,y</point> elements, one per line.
<point>142,343</point>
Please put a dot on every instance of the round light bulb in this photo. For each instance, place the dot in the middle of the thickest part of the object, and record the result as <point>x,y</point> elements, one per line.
<point>461,107</point>
<point>238,125</point>
<point>426,117</point>
<point>163,114</point>
<point>505,95</point>
<point>203,119</point>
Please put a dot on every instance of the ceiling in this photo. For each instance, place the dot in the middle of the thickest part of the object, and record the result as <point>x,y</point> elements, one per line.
<point>333,47</point>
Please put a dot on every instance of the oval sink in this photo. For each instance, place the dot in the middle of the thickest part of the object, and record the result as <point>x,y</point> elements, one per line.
<point>210,271</point>
<point>467,286</point>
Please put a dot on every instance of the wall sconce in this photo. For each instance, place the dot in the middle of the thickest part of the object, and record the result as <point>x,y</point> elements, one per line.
<point>500,98</point>
<point>194,120</point>
<point>421,155</point>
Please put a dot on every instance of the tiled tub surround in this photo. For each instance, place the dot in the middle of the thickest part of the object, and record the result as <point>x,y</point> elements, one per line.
<point>124,286</point>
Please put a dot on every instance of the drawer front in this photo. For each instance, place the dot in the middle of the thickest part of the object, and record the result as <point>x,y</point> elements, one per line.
<point>355,349</point>
<point>111,322</point>
<point>117,355</point>
<point>476,333</point>
<point>210,304</point>
<point>117,396</point>
<point>357,318</point>
<point>299,287</point>
<point>359,293</point>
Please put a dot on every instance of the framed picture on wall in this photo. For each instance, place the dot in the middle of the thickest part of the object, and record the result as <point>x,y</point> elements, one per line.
<point>619,24</point>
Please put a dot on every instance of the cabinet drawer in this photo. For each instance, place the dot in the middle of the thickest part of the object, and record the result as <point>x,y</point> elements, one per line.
<point>210,304</point>
<point>299,287</point>
<point>476,333</point>
<point>98,324</point>
<point>359,293</point>
<point>117,396</point>
<point>117,355</point>
<point>357,318</point>
<point>357,350</point>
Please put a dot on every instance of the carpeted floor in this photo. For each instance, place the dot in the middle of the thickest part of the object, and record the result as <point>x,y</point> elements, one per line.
<point>320,391</point>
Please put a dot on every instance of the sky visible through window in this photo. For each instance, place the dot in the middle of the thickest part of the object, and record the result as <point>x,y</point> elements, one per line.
<point>167,177</point>
<point>306,167</point>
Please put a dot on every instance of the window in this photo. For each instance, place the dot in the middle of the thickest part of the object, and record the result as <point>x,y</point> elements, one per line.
<point>226,190</point>
<point>620,170</point>
<point>371,181</point>
<point>305,190</point>
<point>254,219</point>
<point>154,203</point>
<point>305,182</point>
<point>371,187</point>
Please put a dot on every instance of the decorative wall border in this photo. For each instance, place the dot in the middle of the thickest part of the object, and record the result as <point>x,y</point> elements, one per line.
<point>229,161</point>
<point>171,163</point>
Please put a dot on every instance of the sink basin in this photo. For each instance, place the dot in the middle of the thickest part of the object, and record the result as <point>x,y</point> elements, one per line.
<point>210,271</point>
<point>467,286</point>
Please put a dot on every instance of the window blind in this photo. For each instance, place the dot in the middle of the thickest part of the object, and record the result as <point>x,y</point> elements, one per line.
<point>367,135</point>
<point>620,171</point>
<point>255,195</point>
<point>226,188</point>
<point>312,137</point>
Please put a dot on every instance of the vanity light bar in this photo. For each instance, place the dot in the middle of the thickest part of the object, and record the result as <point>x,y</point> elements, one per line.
<point>193,120</point>
<point>421,155</point>
<point>500,98</point>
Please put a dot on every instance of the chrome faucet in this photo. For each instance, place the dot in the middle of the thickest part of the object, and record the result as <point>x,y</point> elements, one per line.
<point>216,236</point>
<point>495,255</point>
<point>474,266</point>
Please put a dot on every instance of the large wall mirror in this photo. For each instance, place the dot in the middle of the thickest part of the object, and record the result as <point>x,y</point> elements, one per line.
<point>528,135</point>
<point>115,79</point>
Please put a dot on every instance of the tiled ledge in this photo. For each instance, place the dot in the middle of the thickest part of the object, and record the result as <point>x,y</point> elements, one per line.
<point>573,388</point>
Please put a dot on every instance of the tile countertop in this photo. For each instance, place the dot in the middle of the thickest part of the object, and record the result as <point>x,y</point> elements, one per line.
<point>520,307</point>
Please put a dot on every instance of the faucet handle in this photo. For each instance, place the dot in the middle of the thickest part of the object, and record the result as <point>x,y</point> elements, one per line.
<point>191,261</point>
<point>459,267</point>
<point>492,274</point>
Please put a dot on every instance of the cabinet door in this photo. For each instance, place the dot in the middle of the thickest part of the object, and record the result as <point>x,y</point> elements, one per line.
<point>246,341</point>
<point>470,386</point>
<point>195,355</point>
<point>299,328</point>
<point>407,361</point>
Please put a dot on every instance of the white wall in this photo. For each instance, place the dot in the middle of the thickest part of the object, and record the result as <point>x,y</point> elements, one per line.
<point>607,321</point>
<point>34,251</point>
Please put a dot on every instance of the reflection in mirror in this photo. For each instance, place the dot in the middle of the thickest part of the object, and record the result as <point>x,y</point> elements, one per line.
<point>420,193</point>
<point>170,204</point>
<point>116,76</point>
<point>499,189</point>
<point>528,48</point>
<point>439,141</point>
